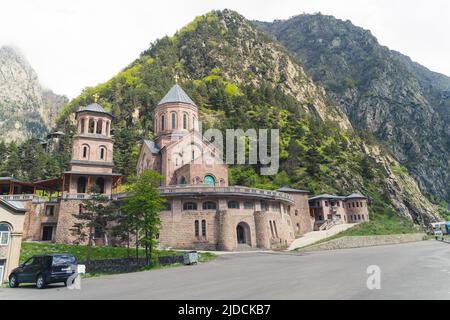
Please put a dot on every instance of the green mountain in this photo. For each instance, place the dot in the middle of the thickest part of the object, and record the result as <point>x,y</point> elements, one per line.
<point>403,104</point>
<point>240,78</point>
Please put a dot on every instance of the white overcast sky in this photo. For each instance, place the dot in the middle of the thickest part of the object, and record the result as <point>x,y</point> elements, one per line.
<point>77,43</point>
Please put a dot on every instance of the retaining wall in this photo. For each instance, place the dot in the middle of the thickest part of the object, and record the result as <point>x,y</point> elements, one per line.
<point>365,241</point>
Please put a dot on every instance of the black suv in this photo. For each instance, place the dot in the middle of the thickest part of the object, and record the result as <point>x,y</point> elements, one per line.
<point>44,269</point>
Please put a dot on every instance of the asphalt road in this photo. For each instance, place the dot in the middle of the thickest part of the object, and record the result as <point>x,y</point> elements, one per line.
<point>418,270</point>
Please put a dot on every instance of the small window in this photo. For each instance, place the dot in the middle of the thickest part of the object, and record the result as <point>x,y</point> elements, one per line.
<point>359,217</point>
<point>167,206</point>
<point>204,228</point>
<point>248,205</point>
<point>4,234</point>
<point>296,212</point>
<point>50,210</point>
<point>338,203</point>
<point>298,226</point>
<point>209,205</point>
<point>189,206</point>
<point>233,205</point>
<point>102,153</point>
<point>326,203</point>
<point>357,204</point>
<point>353,204</point>
<point>162,123</point>
<point>184,121</point>
<point>264,205</point>
<point>85,152</point>
<point>174,122</point>
<point>183,181</point>
<point>196,229</point>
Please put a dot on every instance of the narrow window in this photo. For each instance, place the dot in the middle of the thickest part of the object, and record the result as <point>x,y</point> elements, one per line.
<point>271,229</point>
<point>174,122</point>
<point>326,203</point>
<point>204,228</point>
<point>102,153</point>
<point>184,121</point>
<point>82,126</point>
<point>275,228</point>
<point>296,212</point>
<point>196,229</point>
<point>162,123</point>
<point>99,126</point>
<point>193,155</point>
<point>85,152</point>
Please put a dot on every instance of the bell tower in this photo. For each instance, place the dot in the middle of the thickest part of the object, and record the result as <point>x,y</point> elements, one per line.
<point>92,152</point>
<point>174,117</point>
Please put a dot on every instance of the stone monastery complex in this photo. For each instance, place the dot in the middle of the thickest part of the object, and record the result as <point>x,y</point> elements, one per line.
<point>202,211</point>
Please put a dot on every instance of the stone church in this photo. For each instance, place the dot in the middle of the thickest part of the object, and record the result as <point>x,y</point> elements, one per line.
<point>202,210</point>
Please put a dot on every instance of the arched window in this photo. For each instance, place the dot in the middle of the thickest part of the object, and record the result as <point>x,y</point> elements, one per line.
<point>102,153</point>
<point>162,123</point>
<point>183,181</point>
<point>189,206</point>
<point>209,180</point>
<point>100,183</point>
<point>184,121</point>
<point>174,120</point>
<point>99,126</point>
<point>204,228</point>
<point>248,204</point>
<point>209,205</point>
<point>233,205</point>
<point>85,151</point>
<point>4,234</point>
<point>196,229</point>
<point>81,185</point>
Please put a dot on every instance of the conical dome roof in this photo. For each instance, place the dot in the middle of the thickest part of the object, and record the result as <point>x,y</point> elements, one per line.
<point>176,95</point>
<point>94,107</point>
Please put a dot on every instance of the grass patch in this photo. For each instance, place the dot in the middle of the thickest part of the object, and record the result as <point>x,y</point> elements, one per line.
<point>79,251</point>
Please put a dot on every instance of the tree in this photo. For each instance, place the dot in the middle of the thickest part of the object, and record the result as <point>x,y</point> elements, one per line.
<point>96,212</point>
<point>142,204</point>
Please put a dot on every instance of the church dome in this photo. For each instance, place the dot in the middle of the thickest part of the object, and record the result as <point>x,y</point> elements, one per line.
<point>176,95</point>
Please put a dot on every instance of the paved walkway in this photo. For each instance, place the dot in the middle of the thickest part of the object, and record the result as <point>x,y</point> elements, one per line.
<point>418,270</point>
<point>314,236</point>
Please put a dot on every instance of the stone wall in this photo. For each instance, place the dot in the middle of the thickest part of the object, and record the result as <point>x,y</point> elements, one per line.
<point>125,265</point>
<point>365,241</point>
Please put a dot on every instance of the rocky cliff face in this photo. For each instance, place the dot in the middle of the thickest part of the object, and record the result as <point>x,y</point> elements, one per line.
<point>26,109</point>
<point>405,105</point>
<point>240,78</point>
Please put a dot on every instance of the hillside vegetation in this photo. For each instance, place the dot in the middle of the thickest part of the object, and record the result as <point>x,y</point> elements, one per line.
<point>240,78</point>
